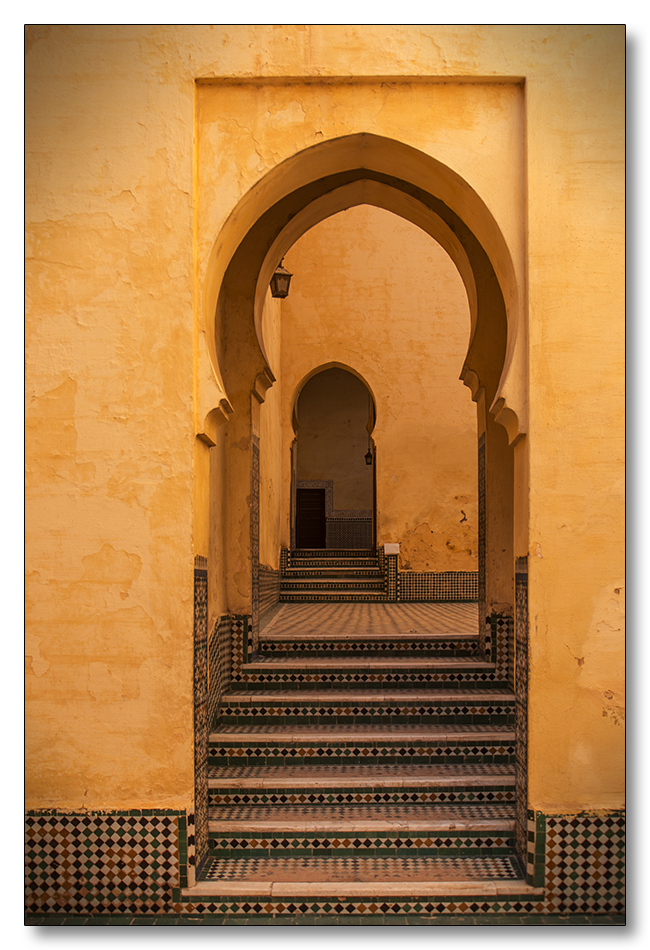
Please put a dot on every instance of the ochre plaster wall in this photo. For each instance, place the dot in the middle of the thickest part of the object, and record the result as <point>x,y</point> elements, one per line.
<point>375,293</point>
<point>271,443</point>
<point>119,236</point>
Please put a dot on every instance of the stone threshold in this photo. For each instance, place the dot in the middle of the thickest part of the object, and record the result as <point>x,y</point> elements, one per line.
<point>359,826</point>
<point>345,890</point>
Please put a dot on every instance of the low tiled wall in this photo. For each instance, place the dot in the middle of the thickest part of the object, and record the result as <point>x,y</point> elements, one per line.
<point>125,862</point>
<point>269,588</point>
<point>580,859</point>
<point>434,586</point>
<point>348,533</point>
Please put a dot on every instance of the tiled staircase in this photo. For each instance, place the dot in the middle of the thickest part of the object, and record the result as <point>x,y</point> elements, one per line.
<point>364,766</point>
<point>334,576</point>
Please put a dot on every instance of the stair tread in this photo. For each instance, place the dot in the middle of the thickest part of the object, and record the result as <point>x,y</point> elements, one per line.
<point>361,662</point>
<point>363,875</point>
<point>349,635</point>
<point>361,819</point>
<point>366,697</point>
<point>381,732</point>
<point>360,774</point>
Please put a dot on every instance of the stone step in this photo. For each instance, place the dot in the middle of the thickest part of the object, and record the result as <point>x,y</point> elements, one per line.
<point>362,829</point>
<point>311,644</point>
<point>401,880</point>
<point>332,596</point>
<point>330,817</point>
<point>365,671</point>
<point>388,706</point>
<point>323,583</point>
<point>335,569</point>
<point>277,745</point>
<point>361,783</point>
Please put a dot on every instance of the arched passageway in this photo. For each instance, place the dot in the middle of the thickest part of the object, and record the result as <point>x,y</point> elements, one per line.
<point>299,193</point>
<point>362,169</point>
<point>333,491</point>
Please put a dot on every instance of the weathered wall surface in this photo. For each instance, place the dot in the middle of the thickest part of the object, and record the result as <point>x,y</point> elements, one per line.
<point>374,292</point>
<point>117,269</point>
<point>109,422</point>
<point>271,487</point>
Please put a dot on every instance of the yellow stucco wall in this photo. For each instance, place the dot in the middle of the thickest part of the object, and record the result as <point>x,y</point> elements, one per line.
<point>121,222</point>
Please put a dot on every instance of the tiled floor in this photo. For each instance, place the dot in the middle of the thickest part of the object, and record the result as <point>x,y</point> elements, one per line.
<point>360,620</point>
<point>361,869</point>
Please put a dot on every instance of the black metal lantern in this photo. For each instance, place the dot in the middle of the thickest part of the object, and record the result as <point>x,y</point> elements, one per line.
<point>280,281</point>
<point>368,457</point>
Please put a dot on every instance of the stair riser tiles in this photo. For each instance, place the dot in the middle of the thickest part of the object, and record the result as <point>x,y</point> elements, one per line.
<point>397,796</point>
<point>324,679</point>
<point>285,755</point>
<point>284,649</point>
<point>385,715</point>
<point>383,909</point>
<point>358,842</point>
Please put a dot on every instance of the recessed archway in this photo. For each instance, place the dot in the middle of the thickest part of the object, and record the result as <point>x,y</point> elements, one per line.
<point>300,192</point>
<point>333,461</point>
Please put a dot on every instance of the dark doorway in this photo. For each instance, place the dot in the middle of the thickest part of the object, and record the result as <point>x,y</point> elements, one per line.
<point>310,510</point>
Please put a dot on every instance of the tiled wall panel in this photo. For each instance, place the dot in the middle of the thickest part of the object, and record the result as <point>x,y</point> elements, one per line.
<point>522,830</point>
<point>201,723</point>
<point>118,863</point>
<point>269,588</point>
<point>434,586</point>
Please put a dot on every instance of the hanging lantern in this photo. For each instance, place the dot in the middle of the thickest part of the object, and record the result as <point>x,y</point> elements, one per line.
<point>280,281</point>
<point>368,457</point>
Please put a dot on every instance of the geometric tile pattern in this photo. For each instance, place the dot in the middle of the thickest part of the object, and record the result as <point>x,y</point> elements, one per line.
<point>255,539</point>
<point>445,586</point>
<point>201,721</point>
<point>481,526</point>
<point>423,710</point>
<point>359,626</point>
<point>376,843</point>
<point>523,831</point>
<point>581,861</point>
<point>269,588</point>
<point>498,638</point>
<point>350,868</point>
<point>295,677</point>
<point>348,533</point>
<point>95,863</point>
<point>219,649</point>
<point>222,752</point>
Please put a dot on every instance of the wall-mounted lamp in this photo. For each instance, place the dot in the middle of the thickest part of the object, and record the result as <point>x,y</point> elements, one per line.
<point>280,281</point>
<point>368,457</point>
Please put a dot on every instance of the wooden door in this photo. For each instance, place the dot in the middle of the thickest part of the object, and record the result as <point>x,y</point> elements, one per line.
<point>310,518</point>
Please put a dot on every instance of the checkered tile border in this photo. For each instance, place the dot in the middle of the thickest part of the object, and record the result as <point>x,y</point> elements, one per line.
<point>521,697</point>
<point>379,796</point>
<point>390,562</point>
<point>472,844</point>
<point>255,539</point>
<point>581,861</point>
<point>117,863</point>
<point>269,588</point>
<point>201,719</point>
<point>443,586</point>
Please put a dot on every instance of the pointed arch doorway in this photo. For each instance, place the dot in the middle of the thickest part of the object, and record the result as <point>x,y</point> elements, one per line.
<point>333,465</point>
